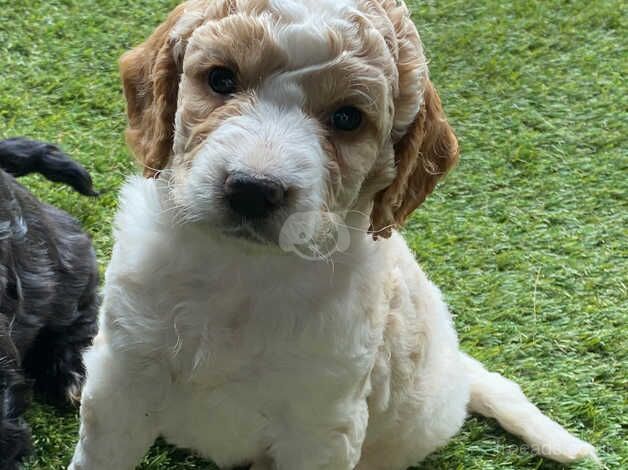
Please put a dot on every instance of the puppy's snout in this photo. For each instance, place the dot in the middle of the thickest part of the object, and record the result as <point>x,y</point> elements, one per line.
<point>253,197</point>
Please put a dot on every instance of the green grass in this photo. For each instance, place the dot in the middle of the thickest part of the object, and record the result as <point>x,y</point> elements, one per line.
<point>527,237</point>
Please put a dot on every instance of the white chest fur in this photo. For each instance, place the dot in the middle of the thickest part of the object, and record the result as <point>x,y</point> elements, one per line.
<point>260,357</point>
<point>243,341</point>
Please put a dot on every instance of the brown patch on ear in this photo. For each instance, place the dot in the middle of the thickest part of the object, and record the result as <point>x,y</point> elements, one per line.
<point>150,76</point>
<point>423,155</point>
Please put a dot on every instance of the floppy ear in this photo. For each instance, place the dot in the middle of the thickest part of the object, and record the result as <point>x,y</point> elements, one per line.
<point>429,148</point>
<point>150,76</point>
<point>423,155</point>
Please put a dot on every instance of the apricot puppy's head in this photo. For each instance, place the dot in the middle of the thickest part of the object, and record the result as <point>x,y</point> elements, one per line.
<point>256,110</point>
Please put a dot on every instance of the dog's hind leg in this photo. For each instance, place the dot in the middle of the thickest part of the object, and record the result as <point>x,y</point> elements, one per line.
<point>497,397</point>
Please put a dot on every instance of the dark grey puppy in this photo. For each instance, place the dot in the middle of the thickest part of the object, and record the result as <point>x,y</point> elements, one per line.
<point>48,297</point>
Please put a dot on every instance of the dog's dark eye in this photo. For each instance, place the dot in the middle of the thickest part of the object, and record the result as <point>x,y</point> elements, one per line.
<point>346,118</point>
<point>222,80</point>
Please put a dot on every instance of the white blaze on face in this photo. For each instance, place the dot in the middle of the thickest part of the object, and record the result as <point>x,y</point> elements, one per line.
<point>299,11</point>
<point>304,32</point>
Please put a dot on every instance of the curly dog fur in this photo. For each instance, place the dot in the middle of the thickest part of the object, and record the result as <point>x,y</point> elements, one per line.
<point>48,293</point>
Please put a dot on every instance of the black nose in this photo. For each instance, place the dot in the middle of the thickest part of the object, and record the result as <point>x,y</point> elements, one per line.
<point>253,197</point>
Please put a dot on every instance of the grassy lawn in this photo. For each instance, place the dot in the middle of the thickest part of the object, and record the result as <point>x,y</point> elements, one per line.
<point>527,237</point>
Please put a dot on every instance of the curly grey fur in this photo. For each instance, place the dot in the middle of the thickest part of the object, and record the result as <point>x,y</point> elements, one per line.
<point>48,309</point>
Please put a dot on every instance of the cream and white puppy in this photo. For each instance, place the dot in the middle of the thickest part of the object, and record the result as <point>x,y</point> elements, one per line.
<point>259,307</point>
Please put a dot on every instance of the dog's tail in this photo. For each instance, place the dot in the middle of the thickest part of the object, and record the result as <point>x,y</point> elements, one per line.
<point>19,157</point>
<point>494,396</point>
